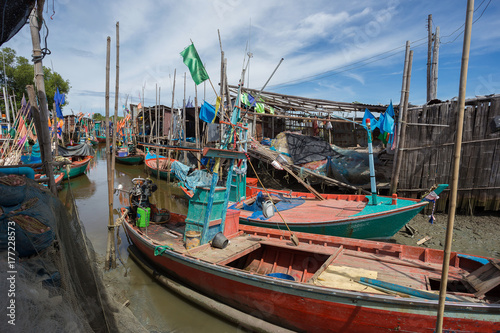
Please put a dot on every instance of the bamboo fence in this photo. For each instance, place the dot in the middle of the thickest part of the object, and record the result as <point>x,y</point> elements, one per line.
<point>428,153</point>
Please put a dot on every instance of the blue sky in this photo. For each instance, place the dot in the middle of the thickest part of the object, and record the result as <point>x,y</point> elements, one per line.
<point>349,51</point>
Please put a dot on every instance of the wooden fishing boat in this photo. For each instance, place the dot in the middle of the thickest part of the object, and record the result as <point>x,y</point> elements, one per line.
<point>78,166</point>
<point>124,157</point>
<point>341,215</point>
<point>163,167</point>
<point>42,178</point>
<point>326,283</point>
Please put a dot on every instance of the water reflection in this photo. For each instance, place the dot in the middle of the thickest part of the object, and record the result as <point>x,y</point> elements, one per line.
<point>81,186</point>
<point>156,307</point>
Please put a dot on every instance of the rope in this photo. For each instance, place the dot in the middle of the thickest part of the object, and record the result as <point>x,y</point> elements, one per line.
<point>160,249</point>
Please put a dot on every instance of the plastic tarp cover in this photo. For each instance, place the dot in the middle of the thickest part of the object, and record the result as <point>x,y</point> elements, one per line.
<point>194,179</point>
<point>83,149</point>
<point>305,149</point>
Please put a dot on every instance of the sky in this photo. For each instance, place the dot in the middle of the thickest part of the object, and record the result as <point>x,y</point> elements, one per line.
<point>340,51</point>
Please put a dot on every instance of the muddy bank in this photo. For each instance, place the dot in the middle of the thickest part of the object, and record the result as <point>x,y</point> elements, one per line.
<point>477,234</point>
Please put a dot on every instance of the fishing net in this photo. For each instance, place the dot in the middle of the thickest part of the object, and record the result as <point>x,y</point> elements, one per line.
<point>49,280</point>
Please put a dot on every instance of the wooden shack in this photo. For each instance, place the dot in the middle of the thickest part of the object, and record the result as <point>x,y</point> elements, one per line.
<point>428,144</point>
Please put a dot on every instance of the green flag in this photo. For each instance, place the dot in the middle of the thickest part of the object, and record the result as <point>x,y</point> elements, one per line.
<point>192,60</point>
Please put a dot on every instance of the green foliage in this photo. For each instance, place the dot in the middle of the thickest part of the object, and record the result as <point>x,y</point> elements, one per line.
<point>19,72</point>
<point>97,116</point>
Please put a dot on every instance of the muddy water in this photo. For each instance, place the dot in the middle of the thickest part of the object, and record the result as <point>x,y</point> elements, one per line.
<point>156,308</point>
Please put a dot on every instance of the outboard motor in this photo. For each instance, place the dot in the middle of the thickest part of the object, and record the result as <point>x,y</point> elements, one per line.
<point>140,194</point>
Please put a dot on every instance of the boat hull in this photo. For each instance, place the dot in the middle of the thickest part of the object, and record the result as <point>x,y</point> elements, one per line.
<point>131,159</point>
<point>304,307</point>
<point>164,174</point>
<point>77,168</point>
<point>353,216</point>
<point>372,226</point>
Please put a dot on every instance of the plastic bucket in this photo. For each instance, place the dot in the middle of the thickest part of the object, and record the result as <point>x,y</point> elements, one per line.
<point>192,239</point>
<point>282,276</point>
<point>219,241</point>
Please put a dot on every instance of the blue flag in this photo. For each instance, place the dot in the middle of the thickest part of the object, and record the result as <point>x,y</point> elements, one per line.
<point>59,100</point>
<point>373,121</point>
<point>251,100</point>
<point>387,123</point>
<point>207,112</point>
<point>390,110</point>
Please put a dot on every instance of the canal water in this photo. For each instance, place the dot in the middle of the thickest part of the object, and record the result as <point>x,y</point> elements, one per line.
<point>158,309</point>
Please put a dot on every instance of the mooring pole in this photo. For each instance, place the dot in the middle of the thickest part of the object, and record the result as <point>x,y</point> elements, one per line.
<point>373,183</point>
<point>44,136</point>
<point>109,249</point>
<point>456,163</point>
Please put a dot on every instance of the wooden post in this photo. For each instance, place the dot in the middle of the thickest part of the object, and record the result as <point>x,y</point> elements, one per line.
<point>7,112</point>
<point>434,70</point>
<point>156,122</point>
<point>143,115</point>
<point>110,243</point>
<point>197,124</point>
<point>54,129</point>
<point>184,119</point>
<point>456,163</point>
<point>170,130</point>
<point>401,142</point>
<point>43,135</point>
<point>429,55</point>
<point>400,118</point>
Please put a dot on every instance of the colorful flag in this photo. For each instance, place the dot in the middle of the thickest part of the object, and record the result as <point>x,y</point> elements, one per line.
<point>207,112</point>
<point>192,60</point>
<point>139,106</point>
<point>387,125</point>
<point>390,110</point>
<point>59,100</point>
<point>373,121</point>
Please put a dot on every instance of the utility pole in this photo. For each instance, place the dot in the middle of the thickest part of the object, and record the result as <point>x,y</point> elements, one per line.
<point>434,70</point>
<point>429,55</point>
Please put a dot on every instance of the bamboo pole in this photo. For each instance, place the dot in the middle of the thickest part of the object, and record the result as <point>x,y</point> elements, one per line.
<point>156,120</point>
<point>110,242</point>
<point>54,128</point>
<point>456,163</point>
<point>400,116</point>
<point>143,116</point>
<point>401,143</point>
<point>184,119</point>
<point>7,112</point>
<point>170,130</point>
<point>197,124</point>
<point>43,134</point>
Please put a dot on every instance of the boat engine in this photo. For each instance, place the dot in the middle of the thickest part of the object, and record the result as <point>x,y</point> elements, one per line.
<point>140,194</point>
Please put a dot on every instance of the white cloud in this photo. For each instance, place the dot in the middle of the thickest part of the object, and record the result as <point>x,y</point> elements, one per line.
<point>313,37</point>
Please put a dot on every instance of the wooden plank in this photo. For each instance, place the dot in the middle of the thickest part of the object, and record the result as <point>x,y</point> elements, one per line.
<point>484,278</point>
<point>467,169</point>
<point>326,264</point>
